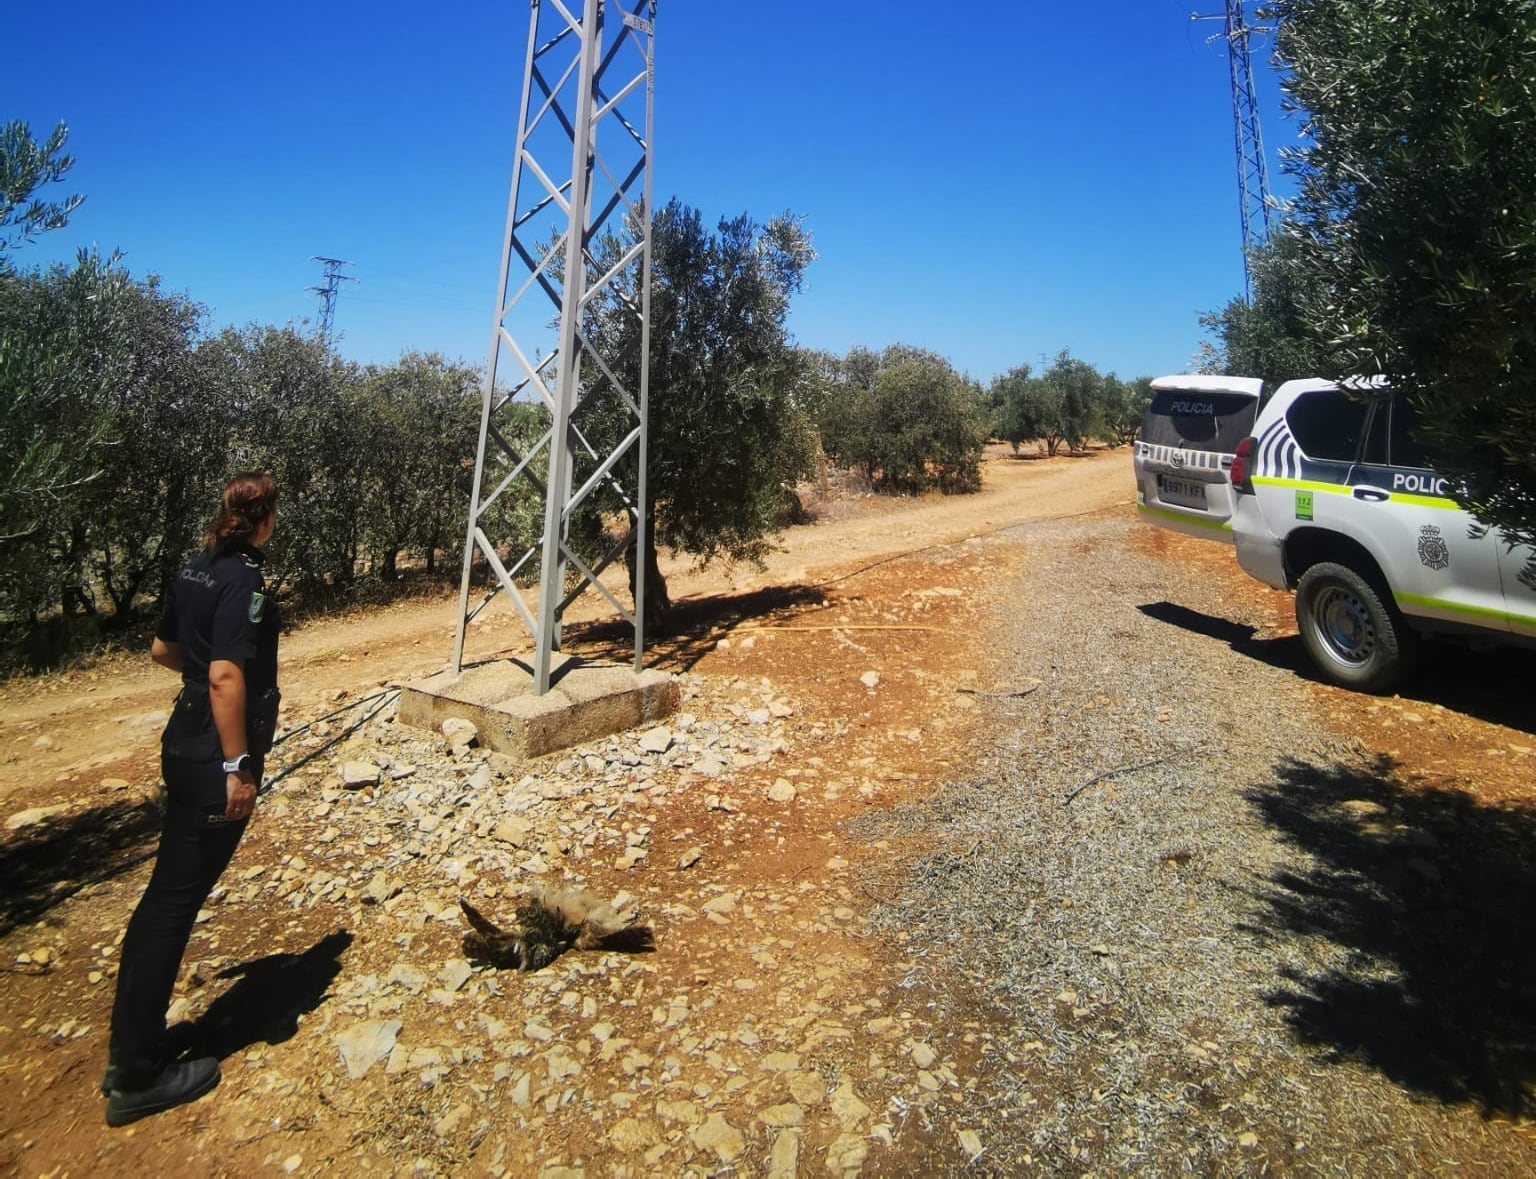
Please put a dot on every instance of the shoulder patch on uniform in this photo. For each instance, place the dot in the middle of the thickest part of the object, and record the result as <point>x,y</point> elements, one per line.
<point>257,607</point>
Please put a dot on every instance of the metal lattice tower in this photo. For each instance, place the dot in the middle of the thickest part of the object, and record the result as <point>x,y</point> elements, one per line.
<point>1253,196</point>
<point>332,280</point>
<point>581,174</point>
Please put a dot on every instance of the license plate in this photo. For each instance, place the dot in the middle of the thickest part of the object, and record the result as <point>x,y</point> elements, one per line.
<point>1189,493</point>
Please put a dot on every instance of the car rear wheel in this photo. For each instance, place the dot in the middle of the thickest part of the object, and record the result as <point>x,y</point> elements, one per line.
<point>1353,636</point>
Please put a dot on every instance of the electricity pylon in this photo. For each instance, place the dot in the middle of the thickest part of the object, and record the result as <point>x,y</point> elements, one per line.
<point>1252,171</point>
<point>581,161</point>
<point>332,282</point>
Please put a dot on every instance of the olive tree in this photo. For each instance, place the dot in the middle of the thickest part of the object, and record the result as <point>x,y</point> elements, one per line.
<point>25,167</point>
<point>727,442</point>
<point>1270,336</point>
<point>1414,228</point>
<point>908,420</point>
<point>1121,406</point>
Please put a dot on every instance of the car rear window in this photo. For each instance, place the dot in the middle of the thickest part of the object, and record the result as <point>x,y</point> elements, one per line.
<point>1198,421</point>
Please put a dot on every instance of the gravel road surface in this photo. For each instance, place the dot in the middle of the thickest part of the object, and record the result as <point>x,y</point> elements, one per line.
<point>1220,938</point>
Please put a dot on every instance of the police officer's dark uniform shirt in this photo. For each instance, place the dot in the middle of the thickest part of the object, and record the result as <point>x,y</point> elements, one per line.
<point>218,608</point>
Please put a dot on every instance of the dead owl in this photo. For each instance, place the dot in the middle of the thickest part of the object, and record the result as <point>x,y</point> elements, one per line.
<point>550,921</point>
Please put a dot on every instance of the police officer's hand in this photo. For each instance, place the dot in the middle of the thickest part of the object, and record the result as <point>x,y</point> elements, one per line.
<point>240,791</point>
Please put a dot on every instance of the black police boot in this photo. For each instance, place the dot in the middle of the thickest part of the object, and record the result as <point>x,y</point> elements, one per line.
<point>177,1084</point>
<point>178,1039</point>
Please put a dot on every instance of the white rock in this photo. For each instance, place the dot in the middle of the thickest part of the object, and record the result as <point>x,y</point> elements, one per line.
<point>357,774</point>
<point>685,1112</point>
<point>407,976</point>
<point>807,1086</point>
<point>720,1136</point>
<point>657,740</point>
<point>870,679</point>
<point>455,973</point>
<point>724,903</point>
<point>781,1116</point>
<point>451,1121</point>
<point>366,1044</point>
<point>561,1064</point>
<point>378,890</point>
<point>851,1112</point>
<point>481,778</point>
<point>784,1159</point>
<point>782,790</point>
<point>513,830</point>
<point>32,816</point>
<point>460,733</point>
<point>847,1154</point>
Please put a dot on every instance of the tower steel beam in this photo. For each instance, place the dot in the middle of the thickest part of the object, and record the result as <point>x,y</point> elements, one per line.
<point>1254,203</point>
<point>333,279</point>
<point>583,144</point>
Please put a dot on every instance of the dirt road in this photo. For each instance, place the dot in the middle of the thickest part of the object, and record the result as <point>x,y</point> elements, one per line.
<point>775,1030</point>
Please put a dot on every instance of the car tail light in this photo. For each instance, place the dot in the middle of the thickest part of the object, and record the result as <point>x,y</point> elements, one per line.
<point>1242,481</point>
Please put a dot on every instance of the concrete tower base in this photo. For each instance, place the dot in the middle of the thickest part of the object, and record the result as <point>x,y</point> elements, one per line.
<point>585,701</point>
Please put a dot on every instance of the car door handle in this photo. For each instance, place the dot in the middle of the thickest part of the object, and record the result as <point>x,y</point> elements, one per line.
<point>1374,494</point>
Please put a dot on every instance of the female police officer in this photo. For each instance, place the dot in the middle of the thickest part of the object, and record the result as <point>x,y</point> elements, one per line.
<point>219,630</point>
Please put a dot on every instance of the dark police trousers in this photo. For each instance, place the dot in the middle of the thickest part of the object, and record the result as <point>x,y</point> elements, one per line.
<point>196,844</point>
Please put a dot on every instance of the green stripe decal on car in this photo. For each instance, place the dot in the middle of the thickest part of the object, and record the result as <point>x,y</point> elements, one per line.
<point>1214,525</point>
<point>1302,485</point>
<point>1427,501</point>
<point>1425,601</point>
<point>1439,503</point>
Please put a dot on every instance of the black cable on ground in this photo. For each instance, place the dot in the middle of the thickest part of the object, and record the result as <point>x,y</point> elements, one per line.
<point>384,699</point>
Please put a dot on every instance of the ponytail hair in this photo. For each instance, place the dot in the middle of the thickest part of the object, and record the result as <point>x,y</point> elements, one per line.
<point>248,499</point>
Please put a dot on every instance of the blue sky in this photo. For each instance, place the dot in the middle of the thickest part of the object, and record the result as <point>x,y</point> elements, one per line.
<point>991,181</point>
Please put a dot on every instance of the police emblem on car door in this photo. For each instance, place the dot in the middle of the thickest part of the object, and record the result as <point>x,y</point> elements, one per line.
<point>1433,551</point>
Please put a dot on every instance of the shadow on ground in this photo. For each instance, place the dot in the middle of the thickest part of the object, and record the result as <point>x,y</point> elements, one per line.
<point>1422,901</point>
<point>50,862</point>
<point>695,625</point>
<point>268,998</point>
<point>1284,652</point>
<point>1494,686</point>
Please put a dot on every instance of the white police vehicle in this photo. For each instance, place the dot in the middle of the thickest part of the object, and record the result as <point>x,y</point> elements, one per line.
<point>1184,451</point>
<point>1335,499</point>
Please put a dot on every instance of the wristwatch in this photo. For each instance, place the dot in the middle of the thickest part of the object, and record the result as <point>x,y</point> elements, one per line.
<point>236,764</point>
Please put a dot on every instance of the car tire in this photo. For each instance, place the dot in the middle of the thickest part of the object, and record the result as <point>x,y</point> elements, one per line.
<point>1353,634</point>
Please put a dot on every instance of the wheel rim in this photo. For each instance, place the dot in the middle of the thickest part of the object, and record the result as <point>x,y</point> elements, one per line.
<point>1344,626</point>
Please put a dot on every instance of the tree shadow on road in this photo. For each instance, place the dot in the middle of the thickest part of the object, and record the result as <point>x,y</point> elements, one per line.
<point>696,624</point>
<point>43,865</point>
<point>268,998</point>
<point>1418,906</point>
